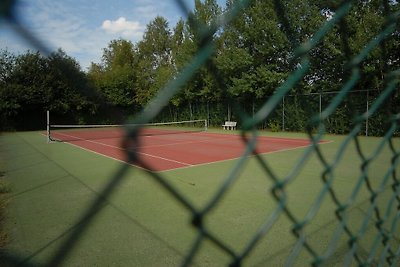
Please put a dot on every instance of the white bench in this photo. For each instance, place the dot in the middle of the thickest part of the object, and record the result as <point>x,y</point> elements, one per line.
<point>229,125</point>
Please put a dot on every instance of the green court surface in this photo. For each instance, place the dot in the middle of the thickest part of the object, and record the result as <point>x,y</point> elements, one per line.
<point>142,224</point>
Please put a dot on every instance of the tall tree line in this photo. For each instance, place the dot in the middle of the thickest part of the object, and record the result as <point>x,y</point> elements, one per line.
<point>30,84</point>
<point>254,54</point>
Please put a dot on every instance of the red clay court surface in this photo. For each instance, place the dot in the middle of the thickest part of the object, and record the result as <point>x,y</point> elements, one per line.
<point>179,150</point>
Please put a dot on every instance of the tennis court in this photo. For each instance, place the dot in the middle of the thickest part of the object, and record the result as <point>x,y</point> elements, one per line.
<point>174,147</point>
<point>323,192</point>
<point>54,184</point>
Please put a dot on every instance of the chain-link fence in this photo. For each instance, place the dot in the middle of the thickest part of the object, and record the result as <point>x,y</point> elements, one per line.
<point>315,117</point>
<point>292,114</point>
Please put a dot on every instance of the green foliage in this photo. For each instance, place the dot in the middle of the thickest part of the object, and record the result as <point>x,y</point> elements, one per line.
<point>115,78</point>
<point>253,57</point>
<point>274,126</point>
<point>33,84</point>
<point>154,60</point>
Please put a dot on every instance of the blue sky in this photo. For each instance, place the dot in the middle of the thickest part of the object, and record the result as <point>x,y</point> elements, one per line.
<point>83,28</point>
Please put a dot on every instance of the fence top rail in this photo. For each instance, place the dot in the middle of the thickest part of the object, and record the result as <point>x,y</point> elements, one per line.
<point>333,92</point>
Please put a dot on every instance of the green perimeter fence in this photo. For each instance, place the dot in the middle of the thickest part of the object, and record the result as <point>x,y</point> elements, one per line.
<point>291,114</point>
<point>285,110</point>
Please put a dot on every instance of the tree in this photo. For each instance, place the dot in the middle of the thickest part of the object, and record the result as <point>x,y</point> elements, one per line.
<point>30,74</point>
<point>9,97</point>
<point>155,60</point>
<point>7,62</point>
<point>119,53</point>
<point>205,83</point>
<point>67,89</point>
<point>33,84</point>
<point>255,53</point>
<point>115,78</point>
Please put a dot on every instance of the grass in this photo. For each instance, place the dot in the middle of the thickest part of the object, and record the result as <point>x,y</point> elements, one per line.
<point>141,224</point>
<point>4,190</point>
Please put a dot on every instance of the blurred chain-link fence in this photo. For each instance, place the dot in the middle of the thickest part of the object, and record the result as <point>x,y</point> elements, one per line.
<point>385,249</point>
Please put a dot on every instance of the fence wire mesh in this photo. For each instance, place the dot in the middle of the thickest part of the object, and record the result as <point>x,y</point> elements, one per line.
<point>384,249</point>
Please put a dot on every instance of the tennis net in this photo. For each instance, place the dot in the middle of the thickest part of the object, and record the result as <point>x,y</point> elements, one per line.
<point>70,133</point>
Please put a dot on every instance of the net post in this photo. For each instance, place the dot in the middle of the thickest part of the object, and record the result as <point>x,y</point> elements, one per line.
<point>48,126</point>
<point>205,125</point>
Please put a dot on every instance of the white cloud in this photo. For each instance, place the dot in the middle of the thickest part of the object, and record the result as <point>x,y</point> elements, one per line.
<point>124,27</point>
<point>80,28</point>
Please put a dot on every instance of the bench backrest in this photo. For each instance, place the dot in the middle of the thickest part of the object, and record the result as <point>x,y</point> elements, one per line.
<point>230,123</point>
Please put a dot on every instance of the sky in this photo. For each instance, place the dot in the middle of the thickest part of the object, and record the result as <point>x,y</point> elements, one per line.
<point>84,28</point>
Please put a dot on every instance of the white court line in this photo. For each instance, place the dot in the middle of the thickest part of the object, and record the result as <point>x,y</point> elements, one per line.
<point>149,146</point>
<point>187,165</point>
<point>120,148</point>
<point>250,156</point>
